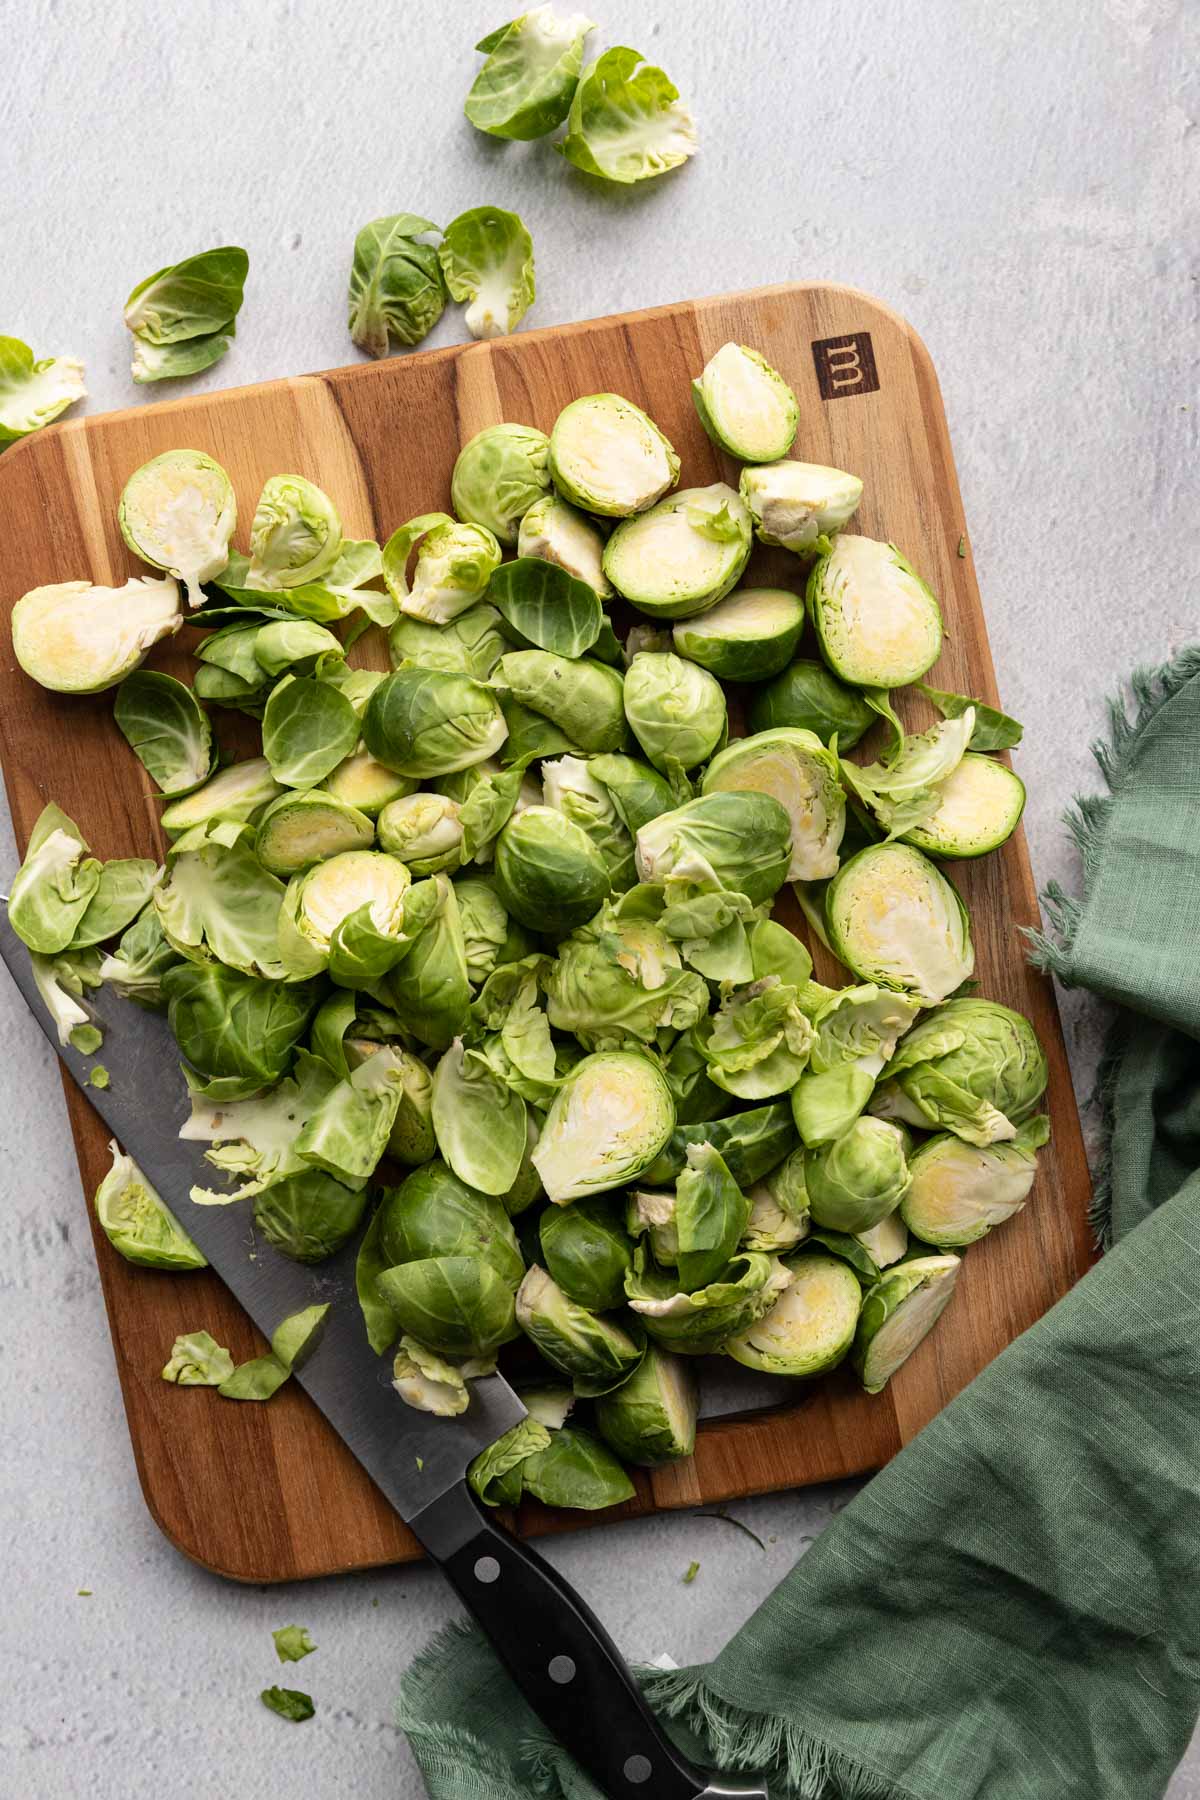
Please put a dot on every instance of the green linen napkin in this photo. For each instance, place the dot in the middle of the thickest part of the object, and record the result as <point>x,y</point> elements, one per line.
<point>1009,1610</point>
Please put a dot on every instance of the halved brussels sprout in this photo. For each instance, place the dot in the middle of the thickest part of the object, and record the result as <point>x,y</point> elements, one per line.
<point>500,473</point>
<point>740,842</point>
<point>549,874</point>
<point>702,1322</point>
<point>429,1383</point>
<point>898,1313</point>
<point>796,504</point>
<point>683,555</point>
<point>597,1353</point>
<point>429,987</point>
<point>972,1066</point>
<point>524,88</point>
<point>471,645</point>
<point>487,259</point>
<point>362,782</point>
<point>454,564</point>
<point>434,1213</point>
<point>74,638</point>
<point>609,457</point>
<point>424,831</point>
<point>496,1474</point>
<point>412,1140</point>
<point>295,535</point>
<point>556,532</point>
<point>612,1116</point>
<point>894,919</point>
<point>651,1418</point>
<point>887,1242</point>
<point>177,513</point>
<point>627,121</point>
<point>232,794</point>
<point>960,1191</point>
<point>136,1222</point>
<point>859,1178</point>
<point>811,1326</point>
<point>878,624</point>
<point>796,769</point>
<point>745,405</point>
<point>319,903</point>
<point>650,1213</point>
<point>576,1469</point>
<point>810,697</point>
<point>779,1218</point>
<point>423,722</point>
<point>298,830</point>
<point>978,808</point>
<point>745,637</point>
<point>455,1304</point>
<point>587,1250</point>
<point>675,709</point>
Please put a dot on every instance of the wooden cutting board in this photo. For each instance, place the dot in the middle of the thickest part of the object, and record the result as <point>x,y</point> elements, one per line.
<point>268,1493</point>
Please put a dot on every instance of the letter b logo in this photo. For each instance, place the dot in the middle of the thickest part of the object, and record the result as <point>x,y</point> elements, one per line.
<point>845,365</point>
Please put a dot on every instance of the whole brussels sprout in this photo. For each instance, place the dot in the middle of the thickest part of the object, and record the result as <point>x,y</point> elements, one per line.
<point>424,722</point>
<point>309,1216</point>
<point>582,697</point>
<point>424,831</point>
<point>676,710</point>
<point>608,457</point>
<point>651,1418</point>
<point>859,1178</point>
<point>971,1066</point>
<point>587,1250</point>
<point>237,1031</point>
<point>498,476</point>
<point>597,1353</point>
<point>809,697</point>
<point>549,874</point>
<point>434,1214</point>
<point>458,1305</point>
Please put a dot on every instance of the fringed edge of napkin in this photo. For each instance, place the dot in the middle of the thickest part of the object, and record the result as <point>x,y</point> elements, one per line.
<point>456,1759</point>
<point>1087,821</point>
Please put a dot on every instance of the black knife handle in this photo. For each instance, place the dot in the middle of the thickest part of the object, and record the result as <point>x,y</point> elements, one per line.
<point>561,1657</point>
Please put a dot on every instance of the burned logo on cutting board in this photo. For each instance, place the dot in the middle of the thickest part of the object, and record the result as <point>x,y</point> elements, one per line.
<point>845,365</point>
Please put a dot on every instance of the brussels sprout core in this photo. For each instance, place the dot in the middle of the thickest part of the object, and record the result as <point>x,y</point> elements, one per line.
<point>78,639</point>
<point>607,456</point>
<point>879,625</point>
<point>682,556</point>
<point>178,513</point>
<point>608,1122</point>
<point>745,406</point>
<point>894,919</point>
<point>795,503</point>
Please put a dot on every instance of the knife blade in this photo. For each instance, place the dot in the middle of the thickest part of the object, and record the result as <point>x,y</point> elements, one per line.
<point>552,1644</point>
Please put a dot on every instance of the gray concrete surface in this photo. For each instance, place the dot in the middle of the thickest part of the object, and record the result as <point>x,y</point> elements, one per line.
<point>1020,180</point>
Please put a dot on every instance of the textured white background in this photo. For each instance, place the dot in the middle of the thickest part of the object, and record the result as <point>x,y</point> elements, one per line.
<point>1020,180</point>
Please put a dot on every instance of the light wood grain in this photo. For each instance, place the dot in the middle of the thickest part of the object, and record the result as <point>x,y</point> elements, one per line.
<point>268,1493</point>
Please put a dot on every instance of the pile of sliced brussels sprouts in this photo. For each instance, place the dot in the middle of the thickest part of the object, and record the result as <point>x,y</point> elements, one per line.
<point>476,958</point>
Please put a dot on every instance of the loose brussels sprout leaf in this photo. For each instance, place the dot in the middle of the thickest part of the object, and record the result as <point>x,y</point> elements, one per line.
<point>857,1029</point>
<point>960,1191</point>
<point>798,505</point>
<point>745,637</point>
<point>197,1360</point>
<point>675,709</point>
<point>428,1383</point>
<point>651,1419</point>
<point>609,1121</point>
<point>495,1475</point>
<point>238,1032</point>
<point>710,929</point>
<point>308,729</point>
<point>219,902</point>
<point>894,919</point>
<point>576,1469</point>
<point>597,1353</point>
<point>549,874</point>
<point>258,1138</point>
<point>757,1044</point>
<point>137,1224</point>
<point>696,1097</point>
<point>583,698</point>
<point>571,789</point>
<point>797,770</point>
<point>295,535</point>
<point>488,932</point>
<point>555,532</point>
<point>74,638</point>
<point>992,730</point>
<point>254,1380</point>
<point>859,1178</point>
<point>231,650</point>
<point>434,1213</point>
<point>683,555</point>
<point>737,842</point>
<point>424,831</point>
<point>380,1322</point>
<point>422,722</point>
<point>177,513</point>
<point>627,121</point>
<point>617,980</point>
<point>289,1703</point>
<point>751,1143</point>
<point>972,1067</point>
<point>143,956</point>
<point>360,782</point>
<point>124,888</point>
<point>72,1020</point>
<point>587,1250</point>
<point>811,1326</point>
<point>548,1403</point>
<point>487,258</point>
<point>300,645</point>
<point>298,830</point>
<point>877,623</point>
<point>292,1643</point>
<point>774,950</point>
<point>848,1249</point>
<point>189,299</point>
<point>233,794</point>
<point>310,1216</point>
<point>429,988</point>
<point>479,1121</point>
<point>639,792</point>
<point>545,607</point>
<point>711,1213</point>
<point>167,729</point>
<point>99,1076</point>
<point>976,810</point>
<point>906,790</point>
<point>500,473</point>
<point>808,697</point>
<point>33,393</point>
<point>607,456</point>
<point>746,407</point>
<point>530,736</point>
<point>491,798</point>
<point>454,1304</point>
<point>412,1140</point>
<point>524,88</point>
<point>54,886</point>
<point>700,1323</point>
<point>348,1131</point>
<point>898,1313</point>
<point>454,564</point>
<point>396,288</point>
<point>171,362</point>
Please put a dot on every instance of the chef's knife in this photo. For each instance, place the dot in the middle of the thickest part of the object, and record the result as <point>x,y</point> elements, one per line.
<point>550,1641</point>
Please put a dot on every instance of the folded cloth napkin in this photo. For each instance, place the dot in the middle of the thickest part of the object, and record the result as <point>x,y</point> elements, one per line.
<point>1010,1610</point>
